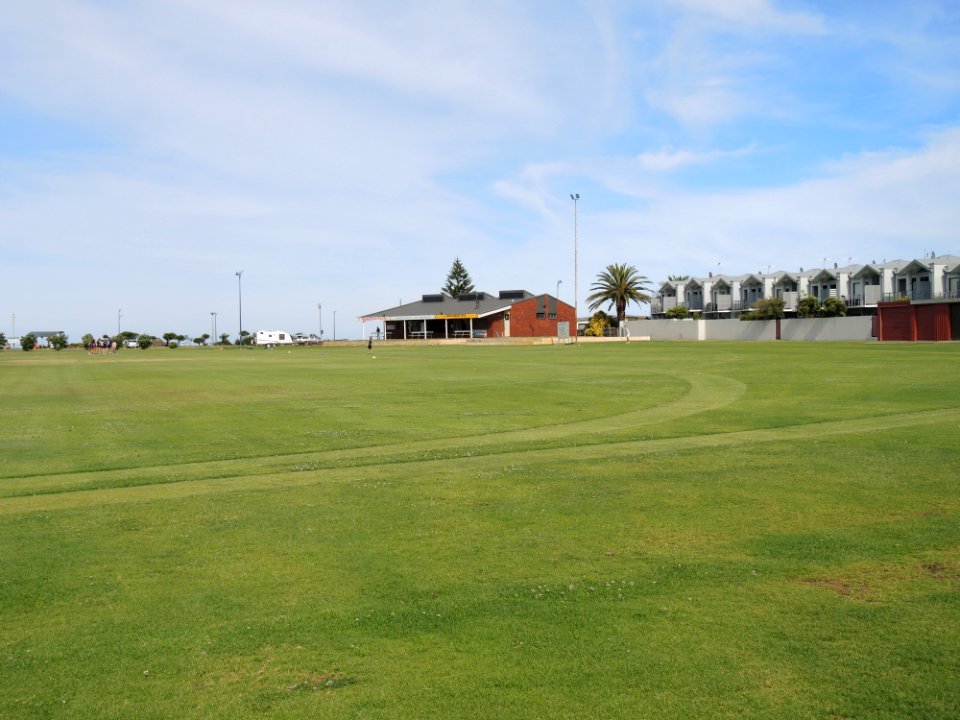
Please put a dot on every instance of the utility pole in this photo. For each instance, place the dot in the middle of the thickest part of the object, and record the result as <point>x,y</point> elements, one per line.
<point>239,275</point>
<point>576,312</point>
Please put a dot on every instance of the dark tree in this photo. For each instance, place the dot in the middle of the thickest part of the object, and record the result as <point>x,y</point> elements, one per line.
<point>458,280</point>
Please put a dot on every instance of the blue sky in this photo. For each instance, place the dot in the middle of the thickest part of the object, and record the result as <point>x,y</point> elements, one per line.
<point>344,153</point>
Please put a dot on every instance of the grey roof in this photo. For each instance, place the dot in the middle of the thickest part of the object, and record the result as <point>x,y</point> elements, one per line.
<point>430,305</point>
<point>45,333</point>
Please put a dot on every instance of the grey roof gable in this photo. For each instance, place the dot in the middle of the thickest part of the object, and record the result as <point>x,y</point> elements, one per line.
<point>477,303</point>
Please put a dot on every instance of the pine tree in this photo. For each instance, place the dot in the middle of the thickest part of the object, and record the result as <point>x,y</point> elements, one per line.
<point>458,280</point>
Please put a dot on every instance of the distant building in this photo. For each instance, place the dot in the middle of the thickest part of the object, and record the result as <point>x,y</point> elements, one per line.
<point>862,287</point>
<point>509,313</point>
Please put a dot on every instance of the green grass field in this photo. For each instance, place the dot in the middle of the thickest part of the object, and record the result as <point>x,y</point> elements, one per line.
<point>652,530</point>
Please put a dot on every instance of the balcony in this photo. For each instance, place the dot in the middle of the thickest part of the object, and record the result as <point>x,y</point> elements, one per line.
<point>922,296</point>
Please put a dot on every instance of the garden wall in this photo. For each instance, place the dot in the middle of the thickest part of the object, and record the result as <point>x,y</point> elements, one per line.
<point>810,329</point>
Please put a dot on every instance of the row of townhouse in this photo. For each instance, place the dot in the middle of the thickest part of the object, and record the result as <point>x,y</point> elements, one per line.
<point>860,286</point>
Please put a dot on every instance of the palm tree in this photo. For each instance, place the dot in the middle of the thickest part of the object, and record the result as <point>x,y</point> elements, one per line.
<point>617,286</point>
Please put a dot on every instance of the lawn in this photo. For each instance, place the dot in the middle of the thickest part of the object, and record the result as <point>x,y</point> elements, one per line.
<point>652,530</point>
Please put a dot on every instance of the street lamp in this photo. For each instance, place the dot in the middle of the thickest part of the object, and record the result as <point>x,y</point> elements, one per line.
<point>576,312</point>
<point>239,275</point>
<point>213,326</point>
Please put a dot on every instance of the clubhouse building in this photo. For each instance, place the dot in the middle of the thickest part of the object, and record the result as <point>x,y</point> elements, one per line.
<point>473,315</point>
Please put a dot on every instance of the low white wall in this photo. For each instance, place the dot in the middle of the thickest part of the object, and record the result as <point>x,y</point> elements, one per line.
<point>668,329</point>
<point>741,329</point>
<point>808,329</point>
<point>826,329</point>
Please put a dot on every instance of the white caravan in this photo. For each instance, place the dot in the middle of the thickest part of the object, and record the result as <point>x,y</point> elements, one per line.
<point>273,337</point>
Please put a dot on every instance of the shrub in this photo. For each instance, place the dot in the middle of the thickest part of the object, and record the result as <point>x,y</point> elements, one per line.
<point>678,312</point>
<point>172,344</point>
<point>598,323</point>
<point>809,307</point>
<point>58,342</point>
<point>28,342</point>
<point>144,341</point>
<point>833,307</point>
<point>765,309</point>
<point>3,340</point>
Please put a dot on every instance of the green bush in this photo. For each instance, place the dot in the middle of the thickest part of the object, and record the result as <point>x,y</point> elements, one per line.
<point>599,321</point>
<point>765,309</point>
<point>58,342</point>
<point>144,341</point>
<point>833,307</point>
<point>27,342</point>
<point>678,312</point>
<point>809,307</point>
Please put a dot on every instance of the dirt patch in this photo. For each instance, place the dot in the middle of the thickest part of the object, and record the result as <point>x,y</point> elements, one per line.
<point>842,588</point>
<point>316,682</point>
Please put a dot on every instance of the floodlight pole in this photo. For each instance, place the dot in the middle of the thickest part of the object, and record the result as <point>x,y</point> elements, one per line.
<point>119,315</point>
<point>576,312</point>
<point>239,275</point>
<point>213,327</point>
<point>320,315</point>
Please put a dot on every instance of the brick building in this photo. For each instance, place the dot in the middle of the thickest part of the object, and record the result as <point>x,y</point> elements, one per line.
<point>509,313</point>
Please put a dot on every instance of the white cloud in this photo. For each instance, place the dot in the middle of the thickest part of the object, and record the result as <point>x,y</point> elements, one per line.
<point>345,152</point>
<point>872,205</point>
<point>755,14</point>
<point>670,159</point>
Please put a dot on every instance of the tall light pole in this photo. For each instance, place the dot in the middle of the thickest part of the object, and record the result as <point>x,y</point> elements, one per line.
<point>334,325</point>
<point>320,314</point>
<point>576,312</point>
<point>239,275</point>
<point>119,315</point>
<point>213,326</point>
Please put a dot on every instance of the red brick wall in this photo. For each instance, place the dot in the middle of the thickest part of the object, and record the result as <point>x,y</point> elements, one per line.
<point>524,322</point>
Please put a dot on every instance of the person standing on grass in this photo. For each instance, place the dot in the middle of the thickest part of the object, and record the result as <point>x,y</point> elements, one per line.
<point>370,345</point>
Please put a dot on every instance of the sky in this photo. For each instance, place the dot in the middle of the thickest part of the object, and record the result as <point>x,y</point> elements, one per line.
<point>342,154</point>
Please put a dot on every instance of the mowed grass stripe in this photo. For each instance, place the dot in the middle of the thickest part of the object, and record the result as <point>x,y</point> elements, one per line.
<point>215,478</point>
<point>704,393</point>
